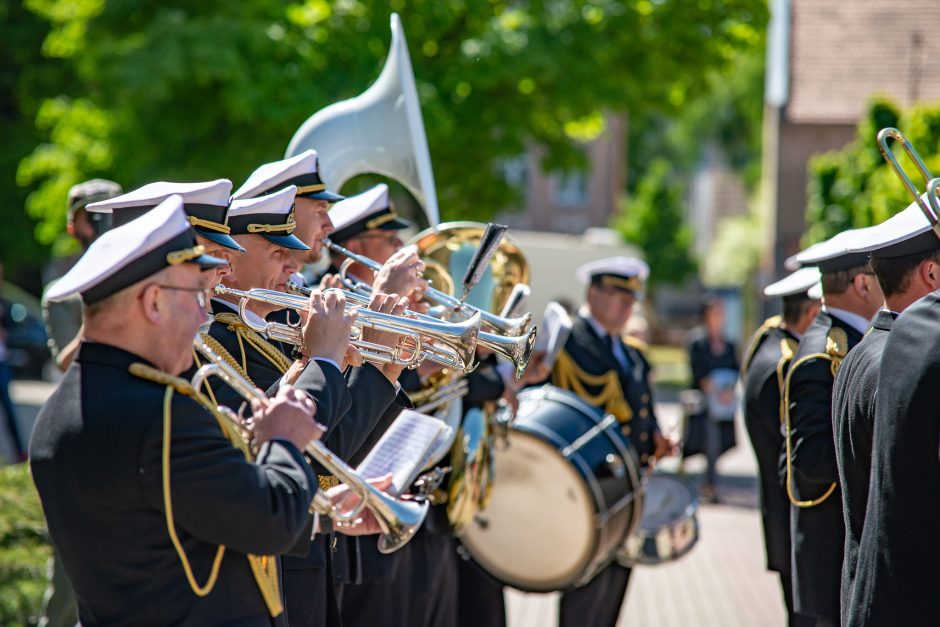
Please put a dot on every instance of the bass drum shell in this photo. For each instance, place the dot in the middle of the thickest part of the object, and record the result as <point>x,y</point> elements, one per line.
<point>565,495</point>
<point>669,528</point>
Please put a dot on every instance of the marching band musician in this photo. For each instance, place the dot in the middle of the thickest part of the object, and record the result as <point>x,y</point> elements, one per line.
<point>905,255</point>
<point>416,585</point>
<point>609,371</point>
<point>311,202</point>
<point>348,405</point>
<point>762,375</point>
<point>852,297</point>
<point>139,480</point>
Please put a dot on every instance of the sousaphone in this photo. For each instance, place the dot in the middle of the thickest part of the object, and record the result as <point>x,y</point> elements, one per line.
<point>381,131</point>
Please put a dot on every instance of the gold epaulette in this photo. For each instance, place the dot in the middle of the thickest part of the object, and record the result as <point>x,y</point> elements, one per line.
<point>270,352</point>
<point>772,322</point>
<point>263,567</point>
<point>788,346</point>
<point>837,347</point>
<point>635,342</point>
<point>568,375</point>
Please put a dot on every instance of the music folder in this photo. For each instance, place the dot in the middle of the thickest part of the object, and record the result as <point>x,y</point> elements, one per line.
<point>405,449</point>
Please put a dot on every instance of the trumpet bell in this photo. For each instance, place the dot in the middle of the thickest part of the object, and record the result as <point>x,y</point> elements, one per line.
<point>405,518</point>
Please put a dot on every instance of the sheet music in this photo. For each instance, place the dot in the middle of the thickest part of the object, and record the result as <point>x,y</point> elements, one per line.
<point>553,332</point>
<point>403,450</point>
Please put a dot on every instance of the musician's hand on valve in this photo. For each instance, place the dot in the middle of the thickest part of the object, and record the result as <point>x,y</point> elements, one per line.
<point>294,371</point>
<point>352,358</point>
<point>288,416</point>
<point>346,499</point>
<point>401,274</point>
<point>331,281</point>
<point>326,330</point>
<point>389,304</point>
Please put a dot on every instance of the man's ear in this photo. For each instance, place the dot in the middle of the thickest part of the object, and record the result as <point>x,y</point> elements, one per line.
<point>930,273</point>
<point>151,303</point>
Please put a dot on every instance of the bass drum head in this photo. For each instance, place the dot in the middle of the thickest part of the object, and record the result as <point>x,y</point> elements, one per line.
<point>538,500</point>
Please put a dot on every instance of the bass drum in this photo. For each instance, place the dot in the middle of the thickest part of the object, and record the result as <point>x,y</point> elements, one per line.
<point>565,497</point>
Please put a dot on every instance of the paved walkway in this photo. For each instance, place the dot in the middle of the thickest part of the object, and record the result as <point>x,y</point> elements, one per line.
<point>721,583</point>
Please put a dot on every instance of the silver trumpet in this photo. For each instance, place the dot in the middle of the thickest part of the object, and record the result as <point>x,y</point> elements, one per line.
<point>506,326</point>
<point>452,344</point>
<point>399,520</point>
<point>516,348</point>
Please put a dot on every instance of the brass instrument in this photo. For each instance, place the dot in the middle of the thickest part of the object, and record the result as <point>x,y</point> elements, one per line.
<point>450,344</point>
<point>929,205</point>
<point>507,326</point>
<point>398,519</point>
<point>517,349</point>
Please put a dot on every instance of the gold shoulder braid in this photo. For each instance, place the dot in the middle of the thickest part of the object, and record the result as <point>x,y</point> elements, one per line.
<point>837,347</point>
<point>569,376</point>
<point>788,347</point>
<point>269,351</point>
<point>772,322</point>
<point>263,567</point>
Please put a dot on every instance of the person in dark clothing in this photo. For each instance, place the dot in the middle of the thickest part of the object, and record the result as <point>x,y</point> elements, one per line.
<point>905,255</point>
<point>714,363</point>
<point>762,372</point>
<point>852,296</point>
<point>123,438</point>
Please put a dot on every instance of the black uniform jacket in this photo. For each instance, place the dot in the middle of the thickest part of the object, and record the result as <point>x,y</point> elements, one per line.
<point>818,532</point>
<point>769,357</point>
<point>853,421</point>
<point>96,459</point>
<point>595,356</point>
<point>900,546</point>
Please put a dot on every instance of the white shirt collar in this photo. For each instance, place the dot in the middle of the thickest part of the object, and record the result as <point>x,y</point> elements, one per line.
<point>857,322</point>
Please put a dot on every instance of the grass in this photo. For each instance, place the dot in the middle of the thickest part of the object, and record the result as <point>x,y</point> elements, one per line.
<point>670,366</point>
<point>24,548</point>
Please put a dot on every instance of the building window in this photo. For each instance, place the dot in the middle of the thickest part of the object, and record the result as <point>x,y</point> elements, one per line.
<point>569,189</point>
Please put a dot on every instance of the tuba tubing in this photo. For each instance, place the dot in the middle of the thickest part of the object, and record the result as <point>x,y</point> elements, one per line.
<point>398,519</point>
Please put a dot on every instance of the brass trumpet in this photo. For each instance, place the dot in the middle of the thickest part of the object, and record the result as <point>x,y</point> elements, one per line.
<point>458,340</point>
<point>506,326</point>
<point>398,519</point>
<point>517,349</point>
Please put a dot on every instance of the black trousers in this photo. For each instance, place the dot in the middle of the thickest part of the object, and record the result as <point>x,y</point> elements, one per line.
<point>598,602</point>
<point>479,599</point>
<point>794,619</point>
<point>310,599</point>
<point>420,592</point>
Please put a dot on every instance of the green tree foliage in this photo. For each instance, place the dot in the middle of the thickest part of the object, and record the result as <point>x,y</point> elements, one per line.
<point>24,548</point>
<point>654,220</point>
<point>190,91</point>
<point>854,187</point>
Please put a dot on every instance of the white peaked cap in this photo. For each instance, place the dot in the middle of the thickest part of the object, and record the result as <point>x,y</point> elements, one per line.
<point>278,203</point>
<point>132,252</point>
<point>627,267</point>
<point>299,170</point>
<point>205,193</point>
<point>796,283</point>
<point>836,253</point>
<point>905,233</point>
<point>355,208</point>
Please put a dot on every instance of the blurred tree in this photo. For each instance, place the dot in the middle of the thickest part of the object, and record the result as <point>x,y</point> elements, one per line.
<point>654,220</point>
<point>854,187</point>
<point>177,90</point>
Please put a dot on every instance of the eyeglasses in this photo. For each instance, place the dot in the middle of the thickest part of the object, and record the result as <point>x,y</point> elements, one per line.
<point>202,293</point>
